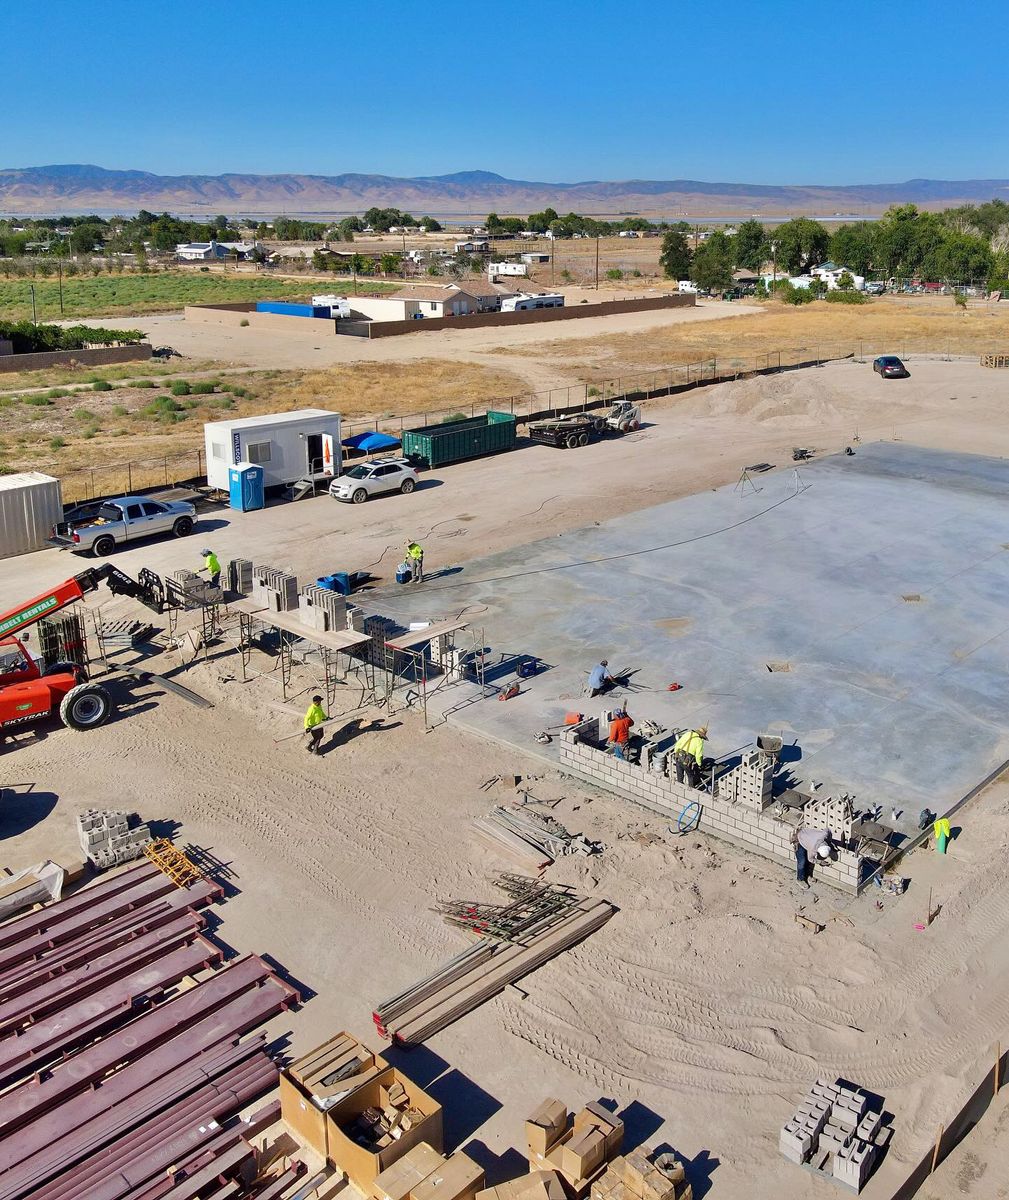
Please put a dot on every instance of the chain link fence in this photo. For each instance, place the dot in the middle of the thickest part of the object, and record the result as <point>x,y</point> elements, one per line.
<point>188,467</point>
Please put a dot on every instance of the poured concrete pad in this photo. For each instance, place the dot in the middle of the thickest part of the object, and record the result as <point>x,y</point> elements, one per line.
<point>875,586</point>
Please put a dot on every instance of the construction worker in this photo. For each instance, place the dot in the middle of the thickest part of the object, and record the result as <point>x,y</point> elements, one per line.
<point>313,724</point>
<point>620,732</point>
<point>600,680</point>
<point>810,845</point>
<point>415,557</point>
<point>688,754</point>
<point>211,566</point>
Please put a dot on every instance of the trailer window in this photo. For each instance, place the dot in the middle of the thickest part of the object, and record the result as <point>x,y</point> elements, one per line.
<point>258,452</point>
<point>217,449</point>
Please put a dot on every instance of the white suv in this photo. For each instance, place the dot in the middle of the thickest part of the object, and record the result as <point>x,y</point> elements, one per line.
<point>380,475</point>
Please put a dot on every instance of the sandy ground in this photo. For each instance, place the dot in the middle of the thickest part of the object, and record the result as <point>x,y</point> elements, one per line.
<point>259,348</point>
<point>703,1005</point>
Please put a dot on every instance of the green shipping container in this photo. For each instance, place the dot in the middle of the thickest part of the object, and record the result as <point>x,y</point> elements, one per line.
<point>436,445</point>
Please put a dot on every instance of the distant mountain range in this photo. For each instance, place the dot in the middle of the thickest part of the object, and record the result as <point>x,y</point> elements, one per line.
<point>79,188</point>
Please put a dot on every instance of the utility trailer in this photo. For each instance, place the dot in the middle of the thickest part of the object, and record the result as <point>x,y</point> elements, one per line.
<point>578,429</point>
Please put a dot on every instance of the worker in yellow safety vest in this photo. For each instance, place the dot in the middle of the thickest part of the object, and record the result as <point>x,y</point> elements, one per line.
<point>688,754</point>
<point>313,724</point>
<point>212,566</point>
<point>415,557</point>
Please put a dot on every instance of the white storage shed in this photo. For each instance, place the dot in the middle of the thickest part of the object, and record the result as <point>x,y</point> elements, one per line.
<point>303,444</point>
<point>30,505</point>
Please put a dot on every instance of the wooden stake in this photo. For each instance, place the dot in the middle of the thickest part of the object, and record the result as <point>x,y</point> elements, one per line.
<point>998,1064</point>
<point>935,1152</point>
<point>928,918</point>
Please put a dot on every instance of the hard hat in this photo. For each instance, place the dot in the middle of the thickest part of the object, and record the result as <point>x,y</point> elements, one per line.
<point>823,851</point>
<point>316,699</point>
<point>206,552</point>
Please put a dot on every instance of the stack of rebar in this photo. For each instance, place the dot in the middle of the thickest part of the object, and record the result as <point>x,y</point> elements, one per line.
<point>541,921</point>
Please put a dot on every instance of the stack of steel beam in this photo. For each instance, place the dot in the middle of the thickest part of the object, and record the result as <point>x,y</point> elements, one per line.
<point>120,1084</point>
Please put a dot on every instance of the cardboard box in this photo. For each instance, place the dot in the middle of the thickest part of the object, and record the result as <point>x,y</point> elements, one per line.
<point>603,1118</point>
<point>545,1126</point>
<point>321,1054</point>
<point>362,1164</point>
<point>636,1168</point>
<point>396,1182</point>
<point>306,1122</point>
<point>537,1185</point>
<point>458,1178</point>
<point>581,1155</point>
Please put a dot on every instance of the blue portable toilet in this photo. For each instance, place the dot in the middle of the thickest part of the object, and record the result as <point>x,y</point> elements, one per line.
<point>245,487</point>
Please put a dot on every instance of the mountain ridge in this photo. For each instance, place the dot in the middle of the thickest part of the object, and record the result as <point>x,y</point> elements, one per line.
<point>81,187</point>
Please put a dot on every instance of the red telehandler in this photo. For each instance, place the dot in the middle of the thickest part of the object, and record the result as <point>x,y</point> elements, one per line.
<point>30,692</point>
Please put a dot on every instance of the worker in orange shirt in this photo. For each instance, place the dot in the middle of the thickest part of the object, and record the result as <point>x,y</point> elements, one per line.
<point>621,725</point>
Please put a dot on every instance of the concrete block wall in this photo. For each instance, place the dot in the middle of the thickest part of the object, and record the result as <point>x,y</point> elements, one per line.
<point>322,609</point>
<point>736,822</point>
<point>748,784</point>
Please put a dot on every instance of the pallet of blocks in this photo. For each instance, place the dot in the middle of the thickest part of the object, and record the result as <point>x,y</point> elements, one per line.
<point>836,1132</point>
<point>578,1150</point>
<point>356,1111</point>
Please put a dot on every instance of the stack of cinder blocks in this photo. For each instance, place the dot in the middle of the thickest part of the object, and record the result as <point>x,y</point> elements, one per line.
<point>275,590</point>
<point>833,1131</point>
<point>322,609</point>
<point>107,839</point>
<point>750,783</point>
<point>641,1176</point>
<point>239,576</point>
<point>835,813</point>
<point>379,629</point>
<point>187,588</point>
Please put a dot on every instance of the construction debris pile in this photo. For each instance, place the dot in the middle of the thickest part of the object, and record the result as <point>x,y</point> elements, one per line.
<point>530,836</point>
<point>835,1132</point>
<point>122,1057</point>
<point>107,839</point>
<point>541,922</point>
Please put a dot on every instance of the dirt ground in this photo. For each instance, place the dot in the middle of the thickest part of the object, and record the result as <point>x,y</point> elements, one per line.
<point>702,1005</point>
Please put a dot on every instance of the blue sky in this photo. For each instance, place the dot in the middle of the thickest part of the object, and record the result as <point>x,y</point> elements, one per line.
<point>775,92</point>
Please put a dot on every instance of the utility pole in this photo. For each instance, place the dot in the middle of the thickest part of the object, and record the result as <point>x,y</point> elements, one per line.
<point>597,262</point>
<point>35,319</point>
<point>59,265</point>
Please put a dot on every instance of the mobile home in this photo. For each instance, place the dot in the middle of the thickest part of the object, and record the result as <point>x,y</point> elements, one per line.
<point>303,444</point>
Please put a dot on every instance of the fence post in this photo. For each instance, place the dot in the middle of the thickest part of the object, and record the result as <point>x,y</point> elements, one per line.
<point>166,470</point>
<point>129,478</point>
<point>92,483</point>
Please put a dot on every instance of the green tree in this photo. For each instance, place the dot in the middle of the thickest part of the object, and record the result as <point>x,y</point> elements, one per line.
<point>853,246</point>
<point>751,245</point>
<point>430,224</point>
<point>674,256</point>
<point>712,264</point>
<point>801,244</point>
<point>845,282</point>
<point>391,263</point>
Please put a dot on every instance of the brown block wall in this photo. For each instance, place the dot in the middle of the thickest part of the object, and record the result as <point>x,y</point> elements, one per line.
<point>100,356</point>
<point>747,828</point>
<point>530,316</point>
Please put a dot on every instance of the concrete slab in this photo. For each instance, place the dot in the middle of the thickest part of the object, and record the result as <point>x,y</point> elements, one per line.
<point>901,701</point>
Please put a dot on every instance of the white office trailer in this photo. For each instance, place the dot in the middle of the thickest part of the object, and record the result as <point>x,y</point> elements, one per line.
<point>303,444</point>
<point>523,301</point>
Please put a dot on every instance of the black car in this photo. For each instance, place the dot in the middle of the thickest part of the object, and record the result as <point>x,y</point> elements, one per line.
<point>889,366</point>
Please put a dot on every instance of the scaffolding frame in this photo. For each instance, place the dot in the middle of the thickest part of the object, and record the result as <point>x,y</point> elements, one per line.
<point>296,645</point>
<point>415,677</point>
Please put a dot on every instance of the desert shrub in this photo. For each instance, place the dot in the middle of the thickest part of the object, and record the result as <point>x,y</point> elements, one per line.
<point>203,388</point>
<point>846,298</point>
<point>38,400</point>
<point>180,388</point>
<point>83,414</point>
<point>119,410</point>
<point>160,406</point>
<point>614,273</point>
<point>101,385</point>
<point>57,443</point>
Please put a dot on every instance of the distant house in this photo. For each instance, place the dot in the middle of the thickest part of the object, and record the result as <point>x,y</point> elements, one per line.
<point>535,256</point>
<point>474,246</point>
<point>831,274</point>
<point>214,251</point>
<point>448,300</point>
<point>487,294</point>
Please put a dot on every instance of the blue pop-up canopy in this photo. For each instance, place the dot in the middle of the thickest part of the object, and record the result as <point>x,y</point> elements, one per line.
<point>368,443</point>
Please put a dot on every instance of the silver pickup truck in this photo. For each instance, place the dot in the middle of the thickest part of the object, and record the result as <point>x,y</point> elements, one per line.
<point>115,522</point>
